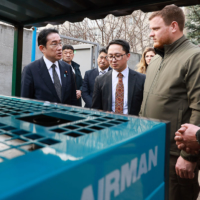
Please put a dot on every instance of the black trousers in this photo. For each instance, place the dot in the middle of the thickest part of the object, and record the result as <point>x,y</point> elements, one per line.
<point>79,102</point>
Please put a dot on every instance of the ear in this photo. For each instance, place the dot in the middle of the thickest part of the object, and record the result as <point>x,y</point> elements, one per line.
<point>174,27</point>
<point>42,48</point>
<point>62,54</point>
<point>128,56</point>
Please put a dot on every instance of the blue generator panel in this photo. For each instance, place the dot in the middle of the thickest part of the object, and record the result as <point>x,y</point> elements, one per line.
<point>60,152</point>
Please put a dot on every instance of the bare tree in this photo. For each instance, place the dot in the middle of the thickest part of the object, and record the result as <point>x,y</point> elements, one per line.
<point>133,28</point>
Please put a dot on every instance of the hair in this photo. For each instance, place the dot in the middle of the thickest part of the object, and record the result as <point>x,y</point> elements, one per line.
<point>103,50</point>
<point>42,37</point>
<point>125,45</point>
<point>142,65</point>
<point>66,46</point>
<point>169,14</point>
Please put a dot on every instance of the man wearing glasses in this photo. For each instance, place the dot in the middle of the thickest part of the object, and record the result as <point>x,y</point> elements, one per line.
<point>48,78</point>
<point>119,90</point>
<point>90,76</point>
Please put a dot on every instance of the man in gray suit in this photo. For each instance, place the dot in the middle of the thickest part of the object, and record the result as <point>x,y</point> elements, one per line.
<point>119,90</point>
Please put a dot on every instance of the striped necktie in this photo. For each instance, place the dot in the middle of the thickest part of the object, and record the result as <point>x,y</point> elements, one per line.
<point>102,73</point>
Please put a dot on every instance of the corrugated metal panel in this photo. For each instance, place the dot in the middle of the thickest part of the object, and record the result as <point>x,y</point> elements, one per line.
<point>42,12</point>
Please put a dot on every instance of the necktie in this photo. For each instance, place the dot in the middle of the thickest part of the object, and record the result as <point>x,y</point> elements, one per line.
<point>119,95</point>
<point>57,84</point>
<point>102,73</point>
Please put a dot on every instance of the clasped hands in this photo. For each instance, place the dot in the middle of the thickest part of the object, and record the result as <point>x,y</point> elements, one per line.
<point>186,140</point>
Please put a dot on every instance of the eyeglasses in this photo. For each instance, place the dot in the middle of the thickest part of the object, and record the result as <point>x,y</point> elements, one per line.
<point>116,57</point>
<point>56,45</point>
<point>103,58</point>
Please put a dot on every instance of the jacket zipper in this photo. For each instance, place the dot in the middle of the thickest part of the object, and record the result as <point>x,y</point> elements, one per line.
<point>153,83</point>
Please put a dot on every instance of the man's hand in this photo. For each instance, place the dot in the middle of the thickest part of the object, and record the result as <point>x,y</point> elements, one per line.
<point>186,138</point>
<point>179,141</point>
<point>78,94</point>
<point>184,168</point>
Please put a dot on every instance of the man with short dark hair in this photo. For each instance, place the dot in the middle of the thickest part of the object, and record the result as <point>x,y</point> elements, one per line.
<point>90,76</point>
<point>171,93</point>
<point>67,56</point>
<point>48,78</point>
<point>119,90</point>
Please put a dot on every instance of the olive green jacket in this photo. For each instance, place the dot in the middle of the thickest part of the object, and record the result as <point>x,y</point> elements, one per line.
<point>172,87</point>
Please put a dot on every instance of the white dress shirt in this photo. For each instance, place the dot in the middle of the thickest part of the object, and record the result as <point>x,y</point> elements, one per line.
<point>73,70</point>
<point>102,71</point>
<point>49,64</point>
<point>114,85</point>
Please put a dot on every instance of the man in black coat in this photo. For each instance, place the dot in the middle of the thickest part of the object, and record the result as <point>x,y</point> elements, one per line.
<point>90,76</point>
<point>67,56</point>
<point>119,90</point>
<point>48,78</point>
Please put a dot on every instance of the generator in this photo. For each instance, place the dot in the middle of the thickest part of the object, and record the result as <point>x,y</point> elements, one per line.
<point>54,151</point>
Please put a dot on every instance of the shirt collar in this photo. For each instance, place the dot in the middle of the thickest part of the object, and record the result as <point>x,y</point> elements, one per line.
<point>124,72</point>
<point>105,70</point>
<point>49,63</point>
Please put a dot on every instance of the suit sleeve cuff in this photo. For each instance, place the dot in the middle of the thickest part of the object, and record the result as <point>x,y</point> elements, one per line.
<point>189,157</point>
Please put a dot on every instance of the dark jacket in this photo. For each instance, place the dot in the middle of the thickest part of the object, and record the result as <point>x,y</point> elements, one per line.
<point>88,86</point>
<point>37,84</point>
<point>79,79</point>
<point>102,96</point>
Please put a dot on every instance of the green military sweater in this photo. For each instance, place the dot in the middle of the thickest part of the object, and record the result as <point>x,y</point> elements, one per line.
<point>172,88</point>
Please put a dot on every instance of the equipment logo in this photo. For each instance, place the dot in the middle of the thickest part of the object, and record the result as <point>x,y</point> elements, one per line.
<point>118,180</point>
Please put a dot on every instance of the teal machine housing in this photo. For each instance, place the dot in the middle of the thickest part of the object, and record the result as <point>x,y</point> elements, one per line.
<point>51,151</point>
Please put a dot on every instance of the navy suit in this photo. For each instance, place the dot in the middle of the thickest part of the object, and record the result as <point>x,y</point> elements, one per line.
<point>102,96</point>
<point>37,84</point>
<point>88,86</point>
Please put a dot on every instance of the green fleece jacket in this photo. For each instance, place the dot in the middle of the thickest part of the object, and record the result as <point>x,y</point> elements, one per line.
<point>172,88</point>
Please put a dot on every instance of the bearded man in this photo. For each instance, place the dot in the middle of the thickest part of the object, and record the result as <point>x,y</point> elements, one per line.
<point>171,93</point>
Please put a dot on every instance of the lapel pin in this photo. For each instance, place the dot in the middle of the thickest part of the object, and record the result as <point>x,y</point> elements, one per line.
<point>65,74</point>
